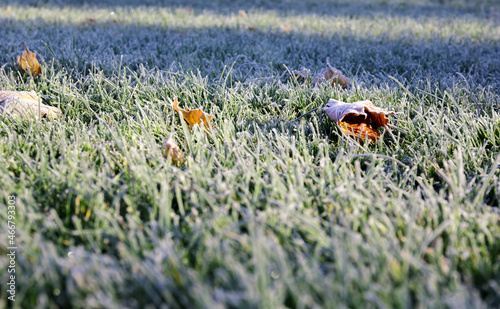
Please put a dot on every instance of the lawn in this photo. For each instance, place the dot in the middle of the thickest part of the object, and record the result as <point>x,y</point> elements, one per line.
<point>267,211</point>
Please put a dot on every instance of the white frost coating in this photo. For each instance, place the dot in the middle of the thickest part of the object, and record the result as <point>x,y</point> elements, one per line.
<point>336,110</point>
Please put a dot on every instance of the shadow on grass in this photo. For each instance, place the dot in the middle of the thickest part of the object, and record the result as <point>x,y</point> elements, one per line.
<point>252,53</point>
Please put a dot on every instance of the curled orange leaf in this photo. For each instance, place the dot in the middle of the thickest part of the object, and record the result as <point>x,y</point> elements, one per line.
<point>194,116</point>
<point>359,119</point>
<point>28,62</point>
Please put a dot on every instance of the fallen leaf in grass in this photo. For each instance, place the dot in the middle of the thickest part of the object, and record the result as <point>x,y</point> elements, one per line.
<point>28,62</point>
<point>26,103</point>
<point>285,28</point>
<point>250,28</point>
<point>330,74</point>
<point>302,74</point>
<point>359,119</point>
<point>173,151</point>
<point>194,116</point>
<point>89,21</point>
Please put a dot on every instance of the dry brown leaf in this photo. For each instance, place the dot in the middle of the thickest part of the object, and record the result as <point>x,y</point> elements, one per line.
<point>285,28</point>
<point>302,74</point>
<point>250,28</point>
<point>89,21</point>
<point>173,151</point>
<point>28,62</point>
<point>330,74</point>
<point>194,116</point>
<point>359,119</point>
<point>26,103</point>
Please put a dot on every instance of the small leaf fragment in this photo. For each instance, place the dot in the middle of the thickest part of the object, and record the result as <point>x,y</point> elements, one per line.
<point>26,103</point>
<point>302,74</point>
<point>28,62</point>
<point>249,27</point>
<point>194,116</point>
<point>173,151</point>
<point>89,21</point>
<point>285,28</point>
<point>359,119</point>
<point>331,75</point>
<point>242,14</point>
